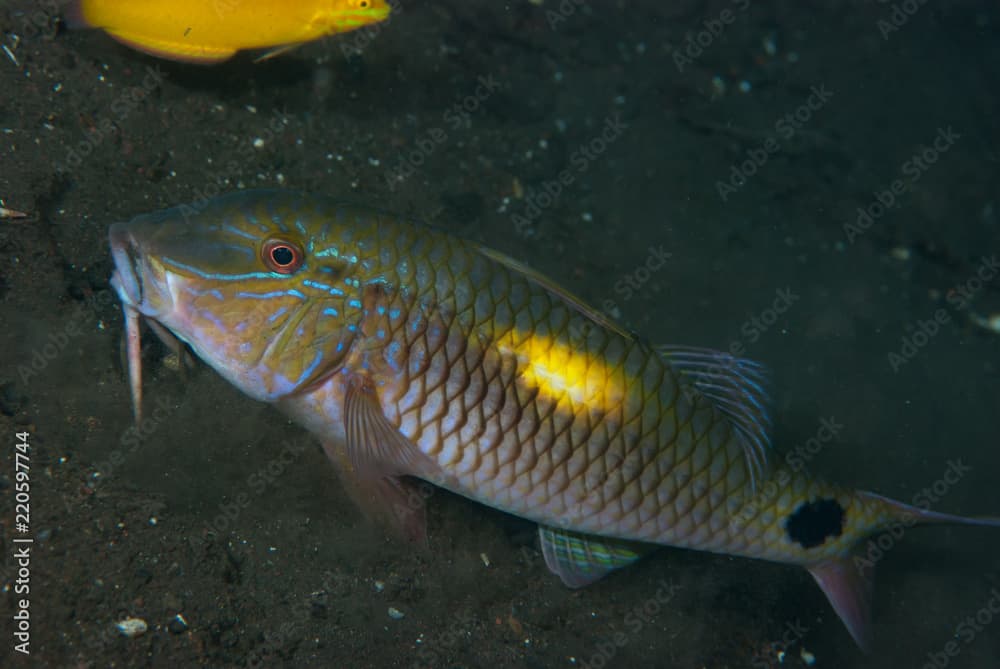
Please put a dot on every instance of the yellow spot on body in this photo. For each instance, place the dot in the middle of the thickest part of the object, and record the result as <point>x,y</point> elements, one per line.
<point>565,375</point>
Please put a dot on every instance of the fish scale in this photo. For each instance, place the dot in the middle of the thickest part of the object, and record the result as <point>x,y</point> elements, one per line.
<point>688,470</point>
<point>412,353</point>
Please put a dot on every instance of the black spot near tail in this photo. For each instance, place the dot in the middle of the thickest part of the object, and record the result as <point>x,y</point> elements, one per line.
<point>813,522</point>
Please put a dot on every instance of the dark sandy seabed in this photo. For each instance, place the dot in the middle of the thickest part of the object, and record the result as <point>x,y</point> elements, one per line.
<point>228,516</point>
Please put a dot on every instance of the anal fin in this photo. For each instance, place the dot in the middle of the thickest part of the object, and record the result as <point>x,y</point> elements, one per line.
<point>580,559</point>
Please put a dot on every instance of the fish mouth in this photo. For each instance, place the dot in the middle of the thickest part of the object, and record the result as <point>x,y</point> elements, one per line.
<point>126,279</point>
<point>142,293</point>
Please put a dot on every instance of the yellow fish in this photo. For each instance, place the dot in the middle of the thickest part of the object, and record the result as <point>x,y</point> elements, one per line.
<point>211,31</point>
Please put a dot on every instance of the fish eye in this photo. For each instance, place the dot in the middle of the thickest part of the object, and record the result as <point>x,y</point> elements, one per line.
<point>364,4</point>
<point>281,256</point>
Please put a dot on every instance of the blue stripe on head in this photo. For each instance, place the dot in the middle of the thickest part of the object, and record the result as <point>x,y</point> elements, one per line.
<point>216,276</point>
<point>232,229</point>
<point>329,252</point>
<point>272,294</point>
<point>275,217</point>
<point>251,218</point>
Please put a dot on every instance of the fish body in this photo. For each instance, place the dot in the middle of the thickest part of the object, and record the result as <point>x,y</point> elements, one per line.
<point>203,32</point>
<point>412,353</point>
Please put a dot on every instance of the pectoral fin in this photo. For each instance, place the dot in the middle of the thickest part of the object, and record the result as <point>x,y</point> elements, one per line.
<point>580,559</point>
<point>277,51</point>
<point>376,460</point>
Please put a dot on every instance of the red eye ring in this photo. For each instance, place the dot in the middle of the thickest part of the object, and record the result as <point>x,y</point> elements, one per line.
<point>281,256</point>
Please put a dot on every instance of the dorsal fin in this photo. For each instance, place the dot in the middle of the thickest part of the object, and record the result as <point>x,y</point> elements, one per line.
<point>548,284</point>
<point>737,387</point>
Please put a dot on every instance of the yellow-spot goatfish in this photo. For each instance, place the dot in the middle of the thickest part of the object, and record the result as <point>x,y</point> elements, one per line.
<point>207,32</point>
<point>411,353</point>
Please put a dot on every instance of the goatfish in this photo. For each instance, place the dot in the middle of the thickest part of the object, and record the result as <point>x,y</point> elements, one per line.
<point>412,354</point>
<point>203,32</point>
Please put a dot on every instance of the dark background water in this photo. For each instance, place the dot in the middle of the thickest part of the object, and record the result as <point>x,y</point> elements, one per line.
<point>468,115</point>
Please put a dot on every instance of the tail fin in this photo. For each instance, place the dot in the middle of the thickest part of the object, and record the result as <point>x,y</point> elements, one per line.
<point>848,586</point>
<point>906,513</point>
<point>848,581</point>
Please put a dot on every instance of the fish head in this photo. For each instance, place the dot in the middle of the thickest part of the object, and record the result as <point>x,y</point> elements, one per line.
<point>337,16</point>
<point>249,282</point>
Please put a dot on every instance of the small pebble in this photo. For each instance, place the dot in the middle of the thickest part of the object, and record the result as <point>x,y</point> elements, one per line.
<point>395,613</point>
<point>379,586</point>
<point>177,624</point>
<point>901,253</point>
<point>132,627</point>
<point>718,86</point>
<point>991,322</point>
<point>770,43</point>
<point>807,657</point>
